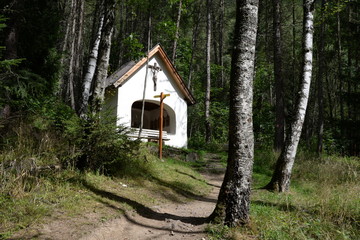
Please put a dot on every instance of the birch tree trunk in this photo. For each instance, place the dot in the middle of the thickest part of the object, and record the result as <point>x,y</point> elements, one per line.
<point>279,82</point>
<point>208,73</point>
<point>103,55</point>
<point>234,196</point>
<point>281,177</point>
<point>88,78</point>
<point>177,31</point>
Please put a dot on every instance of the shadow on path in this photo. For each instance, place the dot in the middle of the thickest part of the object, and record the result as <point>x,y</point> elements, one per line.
<point>142,210</point>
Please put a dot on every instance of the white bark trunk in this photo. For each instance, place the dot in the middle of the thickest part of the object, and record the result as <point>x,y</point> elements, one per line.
<point>208,74</point>
<point>281,177</point>
<point>234,196</point>
<point>241,135</point>
<point>88,78</point>
<point>305,88</point>
<point>104,55</point>
<point>102,67</point>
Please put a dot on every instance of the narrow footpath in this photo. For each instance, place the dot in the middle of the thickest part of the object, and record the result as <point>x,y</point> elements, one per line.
<point>167,222</point>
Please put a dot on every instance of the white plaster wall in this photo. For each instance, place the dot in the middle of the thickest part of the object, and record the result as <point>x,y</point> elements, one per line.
<point>132,90</point>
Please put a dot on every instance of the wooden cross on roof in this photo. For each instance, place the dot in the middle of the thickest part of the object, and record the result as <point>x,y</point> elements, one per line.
<point>155,69</point>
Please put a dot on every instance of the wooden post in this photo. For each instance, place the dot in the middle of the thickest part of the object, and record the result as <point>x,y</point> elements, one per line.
<point>162,96</point>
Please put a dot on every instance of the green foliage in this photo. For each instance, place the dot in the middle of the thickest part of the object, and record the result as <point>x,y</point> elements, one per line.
<point>167,28</point>
<point>133,47</point>
<point>263,110</point>
<point>103,145</point>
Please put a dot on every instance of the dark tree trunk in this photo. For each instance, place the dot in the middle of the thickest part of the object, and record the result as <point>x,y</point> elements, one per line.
<point>320,77</point>
<point>293,62</point>
<point>195,34</point>
<point>234,197</point>
<point>11,34</point>
<point>221,41</point>
<point>279,82</point>
<point>340,74</point>
<point>72,53</point>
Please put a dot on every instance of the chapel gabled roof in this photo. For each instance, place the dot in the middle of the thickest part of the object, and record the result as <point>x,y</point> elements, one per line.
<point>119,77</point>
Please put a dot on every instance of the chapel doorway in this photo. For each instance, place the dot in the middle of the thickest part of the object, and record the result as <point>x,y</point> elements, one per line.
<point>151,116</point>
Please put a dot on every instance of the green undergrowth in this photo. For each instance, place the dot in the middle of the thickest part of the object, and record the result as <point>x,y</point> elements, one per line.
<point>73,193</point>
<point>323,203</point>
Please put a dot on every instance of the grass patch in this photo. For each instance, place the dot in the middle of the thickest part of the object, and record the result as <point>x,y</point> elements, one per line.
<point>323,203</point>
<point>74,193</point>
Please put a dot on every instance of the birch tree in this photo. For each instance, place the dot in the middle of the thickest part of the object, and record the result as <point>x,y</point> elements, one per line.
<point>103,54</point>
<point>234,196</point>
<point>281,177</point>
<point>208,73</point>
<point>91,66</point>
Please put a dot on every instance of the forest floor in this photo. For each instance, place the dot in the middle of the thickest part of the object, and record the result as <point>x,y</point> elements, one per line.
<point>173,220</point>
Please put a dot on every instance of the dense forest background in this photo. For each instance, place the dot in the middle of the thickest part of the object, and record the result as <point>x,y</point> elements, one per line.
<point>57,142</point>
<point>48,47</point>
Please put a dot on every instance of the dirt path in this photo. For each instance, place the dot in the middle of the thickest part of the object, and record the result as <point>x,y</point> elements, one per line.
<point>164,222</point>
<point>172,221</point>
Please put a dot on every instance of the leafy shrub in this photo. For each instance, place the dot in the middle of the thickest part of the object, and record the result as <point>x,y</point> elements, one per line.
<point>102,146</point>
<point>50,134</point>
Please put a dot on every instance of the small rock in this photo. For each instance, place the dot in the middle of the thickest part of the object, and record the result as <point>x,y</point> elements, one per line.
<point>122,184</point>
<point>172,233</point>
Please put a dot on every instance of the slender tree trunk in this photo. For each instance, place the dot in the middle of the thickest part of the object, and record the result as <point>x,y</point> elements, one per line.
<point>122,32</point>
<point>279,82</point>
<point>208,74</point>
<point>177,31</point>
<point>146,75</point>
<point>329,97</point>
<point>234,197</point>
<point>320,93</point>
<point>103,55</point>
<point>194,45</point>
<point>349,77</point>
<point>11,38</point>
<point>293,92</point>
<point>88,78</point>
<point>221,41</point>
<point>214,35</point>
<point>78,60</point>
<point>340,75</point>
<point>72,61</point>
<point>281,177</point>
